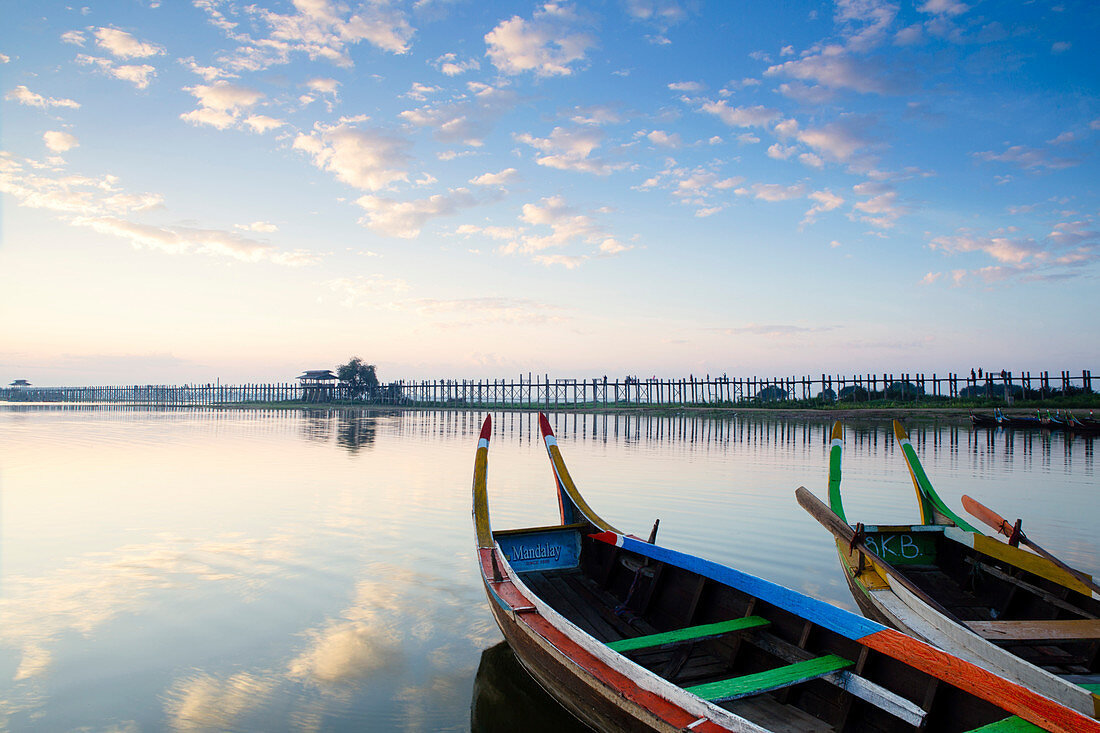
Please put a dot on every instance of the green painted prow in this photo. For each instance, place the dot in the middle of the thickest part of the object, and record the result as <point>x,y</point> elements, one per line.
<point>932,508</point>
<point>836,449</point>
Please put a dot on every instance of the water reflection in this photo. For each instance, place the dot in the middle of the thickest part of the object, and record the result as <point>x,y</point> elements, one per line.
<point>507,699</point>
<point>193,568</point>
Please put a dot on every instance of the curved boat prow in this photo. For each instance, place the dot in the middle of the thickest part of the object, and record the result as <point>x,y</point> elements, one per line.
<point>932,508</point>
<point>570,502</point>
<point>836,450</point>
<point>481,498</point>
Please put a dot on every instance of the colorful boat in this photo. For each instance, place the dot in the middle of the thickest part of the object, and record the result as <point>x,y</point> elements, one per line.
<point>985,421</point>
<point>629,635</point>
<point>1007,610</point>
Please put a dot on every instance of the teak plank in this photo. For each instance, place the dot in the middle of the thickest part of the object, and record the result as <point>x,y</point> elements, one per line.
<point>692,633</point>
<point>1048,597</point>
<point>1008,725</point>
<point>772,679</point>
<point>1041,630</point>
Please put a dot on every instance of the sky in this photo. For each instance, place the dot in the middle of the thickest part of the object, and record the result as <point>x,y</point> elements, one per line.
<point>239,191</point>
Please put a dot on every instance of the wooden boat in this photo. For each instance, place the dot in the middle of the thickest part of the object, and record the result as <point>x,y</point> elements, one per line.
<point>1020,421</point>
<point>1000,420</point>
<point>1082,425</point>
<point>629,635</point>
<point>1005,609</point>
<point>985,421</point>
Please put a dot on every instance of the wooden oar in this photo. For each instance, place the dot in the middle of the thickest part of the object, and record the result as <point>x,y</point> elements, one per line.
<point>999,523</point>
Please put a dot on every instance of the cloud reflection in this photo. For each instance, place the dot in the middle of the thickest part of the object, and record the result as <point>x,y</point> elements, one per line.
<point>205,702</point>
<point>36,611</point>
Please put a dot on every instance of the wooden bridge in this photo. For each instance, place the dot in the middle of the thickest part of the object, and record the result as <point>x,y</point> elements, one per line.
<point>541,391</point>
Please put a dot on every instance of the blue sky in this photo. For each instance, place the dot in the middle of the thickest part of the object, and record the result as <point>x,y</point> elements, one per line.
<point>207,189</point>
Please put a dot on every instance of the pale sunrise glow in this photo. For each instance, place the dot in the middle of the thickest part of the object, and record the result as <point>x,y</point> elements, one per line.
<point>240,191</point>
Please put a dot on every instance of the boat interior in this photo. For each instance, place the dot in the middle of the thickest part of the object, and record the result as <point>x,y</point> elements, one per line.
<point>756,659</point>
<point>1036,618</point>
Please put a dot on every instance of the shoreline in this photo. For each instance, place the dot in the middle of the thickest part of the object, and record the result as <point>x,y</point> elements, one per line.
<point>847,414</point>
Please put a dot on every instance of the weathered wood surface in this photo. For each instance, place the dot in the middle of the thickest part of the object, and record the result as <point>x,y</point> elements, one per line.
<point>533,390</point>
<point>997,522</point>
<point>691,633</point>
<point>1038,630</point>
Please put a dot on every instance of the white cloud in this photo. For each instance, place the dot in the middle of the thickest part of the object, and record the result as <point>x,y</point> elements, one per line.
<point>547,45</point>
<point>568,228</point>
<point>263,123</point>
<point>25,96</point>
<point>209,73</point>
<point>1001,249</point>
<point>806,94</point>
<point>366,159</point>
<point>756,116</point>
<point>123,45</point>
<point>842,140</point>
<point>943,7</point>
<point>910,35</point>
<point>318,29</point>
<point>612,246</point>
<point>323,85</point>
<point>74,38</point>
<point>781,152</point>
<point>259,226</point>
<point>664,139</point>
<point>221,104</point>
<point>223,95</point>
<point>508,175</point>
<point>59,142</point>
<point>569,262</point>
<point>596,115</point>
<point>570,150</point>
<point>467,119</point>
<point>881,211</point>
<point>826,201</point>
<point>138,75</point>
<point>838,70</point>
<point>186,240</point>
<point>420,91</point>
<point>449,64</point>
<point>811,160</point>
<point>99,204</point>
<point>865,23</point>
<point>1027,158</point>
<point>686,86</point>
<point>662,13</point>
<point>773,192</point>
<point>69,194</point>
<point>405,219</point>
<point>691,186</point>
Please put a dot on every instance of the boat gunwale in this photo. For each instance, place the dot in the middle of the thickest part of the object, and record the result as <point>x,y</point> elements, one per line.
<point>969,678</point>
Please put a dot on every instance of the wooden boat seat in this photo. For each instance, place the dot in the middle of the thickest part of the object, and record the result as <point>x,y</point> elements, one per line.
<point>772,679</point>
<point>691,633</point>
<point>1037,631</point>
<point>1008,725</point>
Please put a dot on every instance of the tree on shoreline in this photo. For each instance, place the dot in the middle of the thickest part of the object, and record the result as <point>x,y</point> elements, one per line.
<point>357,377</point>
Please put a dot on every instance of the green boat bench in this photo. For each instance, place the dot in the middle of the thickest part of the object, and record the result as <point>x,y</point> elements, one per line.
<point>691,633</point>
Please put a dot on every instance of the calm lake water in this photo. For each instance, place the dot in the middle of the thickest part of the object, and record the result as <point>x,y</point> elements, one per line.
<point>263,570</point>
